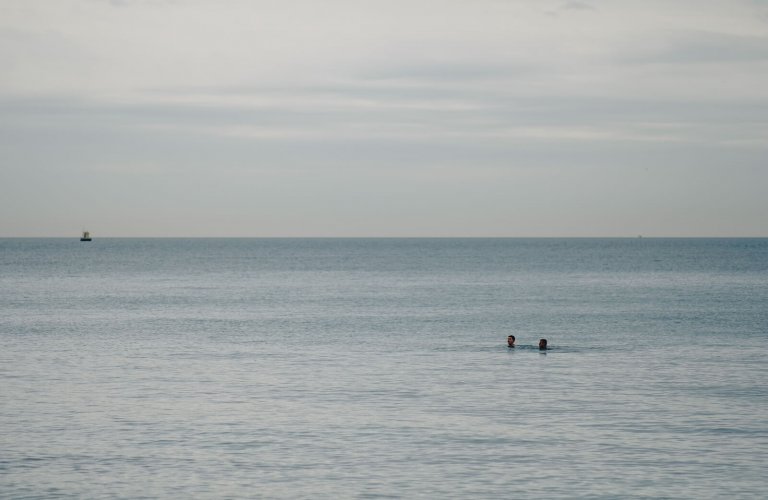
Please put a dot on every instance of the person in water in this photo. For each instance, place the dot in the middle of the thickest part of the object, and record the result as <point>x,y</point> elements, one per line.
<point>543,344</point>
<point>511,341</point>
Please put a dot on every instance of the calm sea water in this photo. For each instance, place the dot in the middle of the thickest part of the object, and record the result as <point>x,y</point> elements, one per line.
<point>367,368</point>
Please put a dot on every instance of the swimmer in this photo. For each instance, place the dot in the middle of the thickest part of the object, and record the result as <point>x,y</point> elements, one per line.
<point>511,341</point>
<point>543,344</point>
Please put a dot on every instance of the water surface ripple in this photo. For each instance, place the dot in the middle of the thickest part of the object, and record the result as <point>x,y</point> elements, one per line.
<point>377,368</point>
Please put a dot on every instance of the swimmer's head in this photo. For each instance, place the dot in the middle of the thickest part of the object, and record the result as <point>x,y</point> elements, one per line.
<point>543,344</point>
<point>511,341</point>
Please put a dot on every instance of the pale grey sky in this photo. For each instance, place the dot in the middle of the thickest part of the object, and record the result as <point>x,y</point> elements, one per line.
<point>384,117</point>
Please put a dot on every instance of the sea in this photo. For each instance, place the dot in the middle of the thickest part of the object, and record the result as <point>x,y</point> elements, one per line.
<point>379,368</point>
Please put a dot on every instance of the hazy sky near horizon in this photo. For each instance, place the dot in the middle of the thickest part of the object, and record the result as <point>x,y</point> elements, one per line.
<point>384,118</point>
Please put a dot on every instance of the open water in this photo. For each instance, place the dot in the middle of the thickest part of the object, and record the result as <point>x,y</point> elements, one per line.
<point>378,368</point>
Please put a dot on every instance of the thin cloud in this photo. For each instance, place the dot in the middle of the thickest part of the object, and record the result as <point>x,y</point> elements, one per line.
<point>573,6</point>
<point>577,6</point>
<point>702,47</point>
<point>453,71</point>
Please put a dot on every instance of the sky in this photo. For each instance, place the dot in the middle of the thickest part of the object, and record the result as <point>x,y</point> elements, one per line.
<point>434,118</point>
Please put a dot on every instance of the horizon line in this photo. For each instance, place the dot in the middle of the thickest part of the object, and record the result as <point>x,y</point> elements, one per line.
<point>636,237</point>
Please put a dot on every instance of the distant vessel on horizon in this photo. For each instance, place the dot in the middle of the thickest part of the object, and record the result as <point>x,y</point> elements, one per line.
<point>86,236</point>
